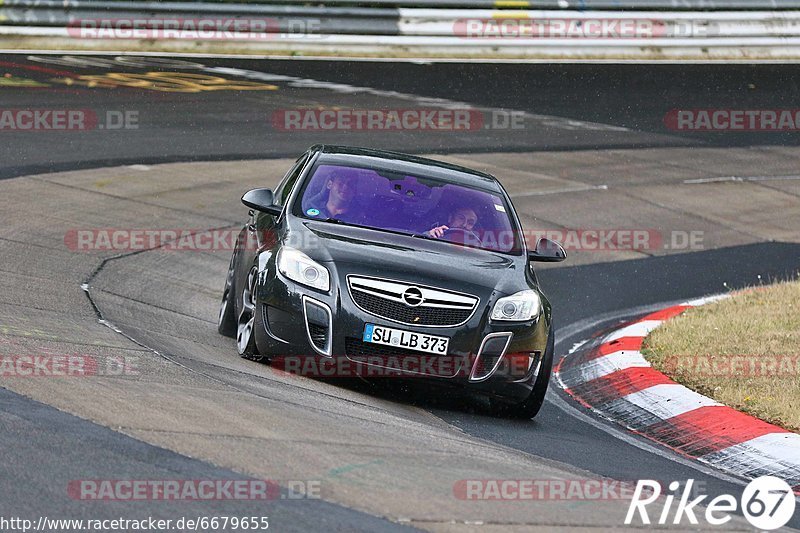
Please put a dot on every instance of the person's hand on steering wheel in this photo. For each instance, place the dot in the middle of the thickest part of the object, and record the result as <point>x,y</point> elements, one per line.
<point>437,232</point>
<point>463,232</point>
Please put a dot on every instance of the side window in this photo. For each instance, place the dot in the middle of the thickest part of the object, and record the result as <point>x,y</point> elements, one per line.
<point>287,183</point>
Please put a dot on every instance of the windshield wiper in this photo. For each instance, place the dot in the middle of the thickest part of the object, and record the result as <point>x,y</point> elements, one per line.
<point>334,220</point>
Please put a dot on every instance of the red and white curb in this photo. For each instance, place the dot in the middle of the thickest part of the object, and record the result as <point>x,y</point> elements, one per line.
<point>610,376</point>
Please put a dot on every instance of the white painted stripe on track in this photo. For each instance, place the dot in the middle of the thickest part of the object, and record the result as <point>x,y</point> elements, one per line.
<point>608,364</point>
<point>668,400</point>
<point>706,300</point>
<point>781,446</point>
<point>637,329</point>
<point>773,452</point>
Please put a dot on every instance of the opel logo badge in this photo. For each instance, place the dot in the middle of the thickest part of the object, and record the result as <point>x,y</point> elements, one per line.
<point>413,297</point>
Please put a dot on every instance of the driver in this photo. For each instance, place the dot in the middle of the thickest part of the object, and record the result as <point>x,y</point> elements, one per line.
<point>462,218</point>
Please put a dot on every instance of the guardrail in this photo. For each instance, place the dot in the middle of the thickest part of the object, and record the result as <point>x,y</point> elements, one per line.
<point>452,27</point>
<point>254,6</point>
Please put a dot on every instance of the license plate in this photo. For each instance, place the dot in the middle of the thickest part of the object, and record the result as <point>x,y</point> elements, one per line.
<point>409,340</point>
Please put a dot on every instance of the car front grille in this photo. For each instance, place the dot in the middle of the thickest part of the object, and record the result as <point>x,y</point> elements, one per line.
<point>433,307</point>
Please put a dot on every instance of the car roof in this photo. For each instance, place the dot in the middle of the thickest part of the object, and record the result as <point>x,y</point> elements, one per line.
<point>413,165</point>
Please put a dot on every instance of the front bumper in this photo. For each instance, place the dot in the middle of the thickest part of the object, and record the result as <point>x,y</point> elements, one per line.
<point>325,331</point>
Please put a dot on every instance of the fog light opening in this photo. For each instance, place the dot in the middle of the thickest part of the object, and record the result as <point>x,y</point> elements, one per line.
<point>490,355</point>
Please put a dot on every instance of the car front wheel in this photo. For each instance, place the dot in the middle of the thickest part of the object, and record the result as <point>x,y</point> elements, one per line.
<point>226,323</point>
<point>245,326</point>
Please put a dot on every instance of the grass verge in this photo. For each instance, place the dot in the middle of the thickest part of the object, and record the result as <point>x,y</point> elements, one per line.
<point>743,351</point>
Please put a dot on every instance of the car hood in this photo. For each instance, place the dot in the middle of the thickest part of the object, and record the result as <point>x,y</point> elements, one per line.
<point>362,251</point>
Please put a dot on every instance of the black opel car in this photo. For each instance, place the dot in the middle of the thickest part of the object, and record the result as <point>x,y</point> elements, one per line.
<point>397,265</point>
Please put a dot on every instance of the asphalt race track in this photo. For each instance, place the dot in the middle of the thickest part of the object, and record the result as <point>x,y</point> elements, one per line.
<point>568,107</point>
<point>197,411</point>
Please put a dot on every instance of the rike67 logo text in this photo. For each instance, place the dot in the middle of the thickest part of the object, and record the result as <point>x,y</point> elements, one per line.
<point>767,503</point>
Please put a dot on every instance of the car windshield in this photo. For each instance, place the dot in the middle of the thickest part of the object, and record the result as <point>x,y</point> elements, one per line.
<point>414,205</point>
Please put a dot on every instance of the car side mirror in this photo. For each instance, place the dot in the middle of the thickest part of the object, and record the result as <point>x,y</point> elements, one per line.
<point>261,200</point>
<point>547,251</point>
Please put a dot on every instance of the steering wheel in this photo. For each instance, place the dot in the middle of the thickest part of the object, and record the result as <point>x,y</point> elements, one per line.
<point>461,235</point>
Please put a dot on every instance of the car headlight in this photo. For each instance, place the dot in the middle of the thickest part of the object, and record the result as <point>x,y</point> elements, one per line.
<point>523,305</point>
<point>298,267</point>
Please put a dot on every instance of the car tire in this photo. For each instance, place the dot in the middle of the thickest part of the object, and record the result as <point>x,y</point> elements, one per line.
<point>226,322</point>
<point>529,407</point>
<point>247,321</point>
